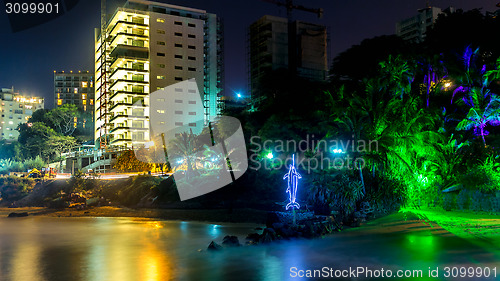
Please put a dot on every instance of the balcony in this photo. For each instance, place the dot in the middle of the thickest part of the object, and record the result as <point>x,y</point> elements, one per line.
<point>122,128</point>
<point>126,116</point>
<point>127,23</point>
<point>135,52</point>
<point>115,141</point>
<point>127,93</point>
<point>125,34</point>
<point>117,61</point>
<point>127,70</point>
<point>118,104</point>
<point>128,82</point>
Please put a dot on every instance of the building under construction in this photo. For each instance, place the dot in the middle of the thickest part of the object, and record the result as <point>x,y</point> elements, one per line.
<point>279,43</point>
<point>146,46</point>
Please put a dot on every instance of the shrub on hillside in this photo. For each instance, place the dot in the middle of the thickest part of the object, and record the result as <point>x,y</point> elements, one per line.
<point>14,188</point>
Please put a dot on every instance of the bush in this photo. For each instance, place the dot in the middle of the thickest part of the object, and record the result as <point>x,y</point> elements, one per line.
<point>333,190</point>
<point>8,165</point>
<point>14,188</point>
<point>137,187</point>
<point>484,177</point>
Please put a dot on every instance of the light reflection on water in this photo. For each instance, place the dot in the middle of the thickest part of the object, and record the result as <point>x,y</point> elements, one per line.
<point>36,248</point>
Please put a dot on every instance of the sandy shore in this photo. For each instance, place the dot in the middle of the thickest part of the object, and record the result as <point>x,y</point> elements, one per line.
<point>206,215</point>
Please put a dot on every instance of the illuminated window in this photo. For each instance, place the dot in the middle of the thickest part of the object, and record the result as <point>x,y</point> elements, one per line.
<point>75,119</point>
<point>160,77</point>
<point>85,84</point>
<point>84,102</point>
<point>58,95</point>
<point>91,102</point>
<point>160,20</point>
<point>160,111</point>
<point>59,102</point>
<point>84,109</point>
<point>84,96</point>
<point>91,84</point>
<point>76,91</point>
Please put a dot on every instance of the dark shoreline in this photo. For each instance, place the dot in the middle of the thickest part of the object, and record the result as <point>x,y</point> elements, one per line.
<point>202,215</point>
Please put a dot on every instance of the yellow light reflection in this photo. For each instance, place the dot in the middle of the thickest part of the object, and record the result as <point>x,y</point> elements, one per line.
<point>154,265</point>
<point>26,253</point>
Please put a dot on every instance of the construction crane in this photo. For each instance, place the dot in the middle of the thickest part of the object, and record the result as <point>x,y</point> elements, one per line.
<point>292,30</point>
<point>288,4</point>
<point>103,105</point>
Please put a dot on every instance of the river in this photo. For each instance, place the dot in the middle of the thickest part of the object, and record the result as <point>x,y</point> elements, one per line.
<point>44,248</point>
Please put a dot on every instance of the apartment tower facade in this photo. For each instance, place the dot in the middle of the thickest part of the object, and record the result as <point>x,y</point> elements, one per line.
<point>150,46</point>
<point>76,87</point>
<point>414,29</point>
<point>16,109</point>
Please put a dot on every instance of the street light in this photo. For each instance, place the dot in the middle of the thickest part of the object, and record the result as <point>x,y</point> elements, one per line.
<point>337,151</point>
<point>270,155</point>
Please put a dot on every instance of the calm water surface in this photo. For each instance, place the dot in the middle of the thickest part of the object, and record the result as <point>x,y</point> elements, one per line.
<point>41,248</point>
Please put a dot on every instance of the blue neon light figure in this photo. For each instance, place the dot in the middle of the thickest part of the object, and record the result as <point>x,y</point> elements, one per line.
<point>293,179</point>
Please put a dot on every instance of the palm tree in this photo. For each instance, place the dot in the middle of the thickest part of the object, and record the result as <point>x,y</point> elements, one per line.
<point>184,146</point>
<point>484,110</point>
<point>397,75</point>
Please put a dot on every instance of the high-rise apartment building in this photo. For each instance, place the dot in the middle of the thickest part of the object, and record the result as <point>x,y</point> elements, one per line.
<point>150,46</point>
<point>414,29</point>
<point>16,109</point>
<point>76,87</point>
<point>268,47</point>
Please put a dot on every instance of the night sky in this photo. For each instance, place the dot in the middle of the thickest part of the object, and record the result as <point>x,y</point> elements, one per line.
<point>28,58</point>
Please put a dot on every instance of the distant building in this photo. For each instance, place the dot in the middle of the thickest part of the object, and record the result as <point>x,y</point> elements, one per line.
<point>76,87</point>
<point>268,49</point>
<point>414,29</point>
<point>16,109</point>
<point>151,46</point>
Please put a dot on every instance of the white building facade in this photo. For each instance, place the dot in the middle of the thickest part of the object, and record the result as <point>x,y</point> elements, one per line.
<point>16,109</point>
